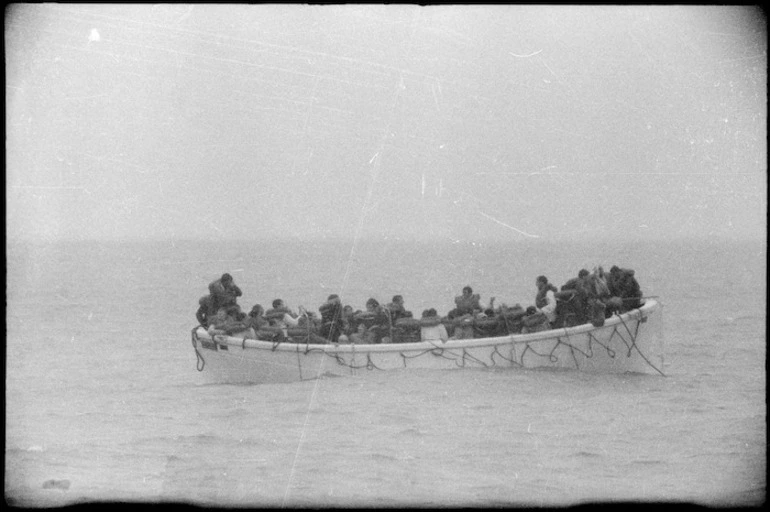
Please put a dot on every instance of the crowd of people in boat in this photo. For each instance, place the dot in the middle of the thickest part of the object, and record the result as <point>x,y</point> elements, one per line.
<point>588,297</point>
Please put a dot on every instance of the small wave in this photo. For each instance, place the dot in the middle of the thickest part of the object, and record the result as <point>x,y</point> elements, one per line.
<point>238,412</point>
<point>56,484</point>
<point>585,454</point>
<point>735,319</point>
<point>396,418</point>
<point>23,451</point>
<point>647,462</point>
<point>411,432</point>
<point>383,457</point>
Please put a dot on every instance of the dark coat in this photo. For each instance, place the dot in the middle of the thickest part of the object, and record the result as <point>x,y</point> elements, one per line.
<point>224,295</point>
<point>623,284</point>
<point>205,310</point>
<point>331,320</point>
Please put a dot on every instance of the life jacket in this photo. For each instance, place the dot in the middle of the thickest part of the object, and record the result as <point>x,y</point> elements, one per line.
<point>397,311</point>
<point>331,312</point>
<point>467,304</point>
<point>430,321</point>
<point>515,311</point>
<point>536,319</point>
<point>407,323</point>
<point>228,324</point>
<point>222,295</point>
<point>275,316</point>
<point>257,322</point>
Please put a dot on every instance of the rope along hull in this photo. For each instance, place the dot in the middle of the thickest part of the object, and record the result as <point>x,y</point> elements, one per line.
<point>631,342</point>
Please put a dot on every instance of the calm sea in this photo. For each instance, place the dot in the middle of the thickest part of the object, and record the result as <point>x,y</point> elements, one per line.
<point>103,401</point>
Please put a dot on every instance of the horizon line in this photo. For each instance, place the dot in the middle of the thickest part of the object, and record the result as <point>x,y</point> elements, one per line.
<point>394,238</point>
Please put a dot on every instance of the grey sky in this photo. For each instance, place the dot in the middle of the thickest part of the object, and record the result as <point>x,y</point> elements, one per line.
<point>202,121</point>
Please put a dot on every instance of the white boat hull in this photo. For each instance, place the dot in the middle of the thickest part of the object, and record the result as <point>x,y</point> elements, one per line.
<point>625,343</point>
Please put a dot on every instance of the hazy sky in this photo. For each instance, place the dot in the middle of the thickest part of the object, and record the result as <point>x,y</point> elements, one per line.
<point>512,122</point>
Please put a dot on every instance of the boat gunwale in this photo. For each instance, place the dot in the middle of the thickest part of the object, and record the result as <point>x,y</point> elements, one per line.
<point>649,306</point>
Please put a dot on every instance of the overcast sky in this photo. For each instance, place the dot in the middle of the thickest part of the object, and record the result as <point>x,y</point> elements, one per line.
<point>459,122</point>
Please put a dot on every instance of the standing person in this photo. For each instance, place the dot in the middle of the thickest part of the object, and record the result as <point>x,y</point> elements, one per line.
<point>331,318</point>
<point>545,299</point>
<point>224,292</point>
<point>431,328</point>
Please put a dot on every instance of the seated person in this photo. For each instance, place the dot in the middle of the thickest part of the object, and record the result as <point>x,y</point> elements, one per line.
<point>281,316</point>
<point>490,312</point>
<point>462,327</point>
<point>534,321</point>
<point>572,310</point>
<point>358,336</point>
<point>572,284</point>
<point>512,317</point>
<point>595,288</point>
<point>256,318</point>
<point>466,304</point>
<point>231,322</point>
<point>331,318</point>
<point>623,286</point>
<point>204,310</point>
<point>348,324</point>
<point>261,326</point>
<point>431,328</point>
<point>597,281</point>
<point>376,321</point>
<point>545,300</point>
<point>397,309</point>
